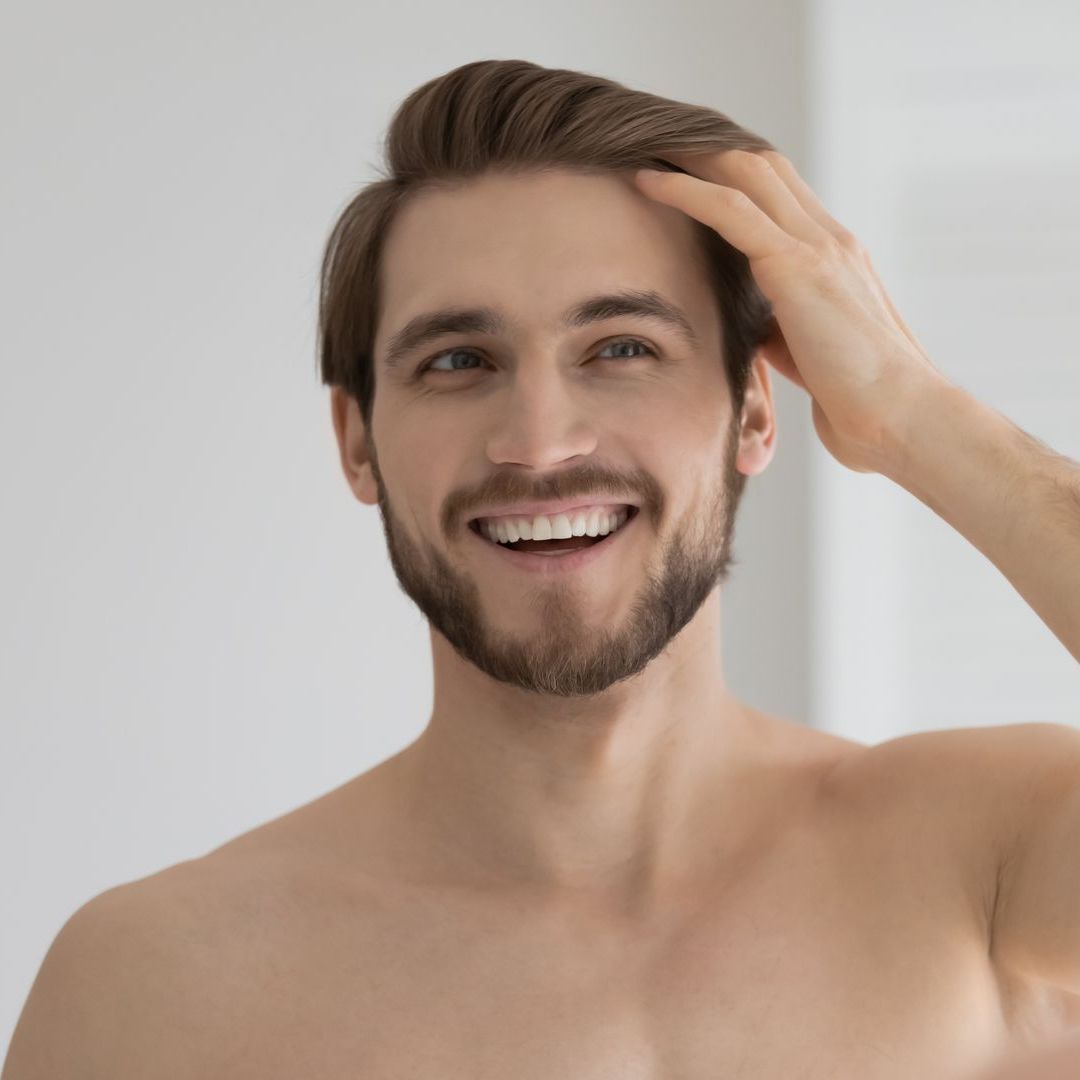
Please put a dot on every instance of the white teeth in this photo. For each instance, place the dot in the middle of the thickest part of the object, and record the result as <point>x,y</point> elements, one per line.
<point>558,527</point>
<point>562,527</point>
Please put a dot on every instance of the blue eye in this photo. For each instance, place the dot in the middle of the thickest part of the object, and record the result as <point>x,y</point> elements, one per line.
<point>450,352</point>
<point>630,341</point>
<point>428,365</point>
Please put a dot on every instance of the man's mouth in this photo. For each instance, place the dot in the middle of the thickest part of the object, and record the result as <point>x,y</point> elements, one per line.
<point>560,546</point>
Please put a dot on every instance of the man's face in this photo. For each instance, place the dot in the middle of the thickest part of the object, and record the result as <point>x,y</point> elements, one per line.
<point>539,411</point>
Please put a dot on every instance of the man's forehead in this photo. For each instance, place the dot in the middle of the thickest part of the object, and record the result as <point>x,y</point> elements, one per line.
<point>513,222</point>
<point>555,248</point>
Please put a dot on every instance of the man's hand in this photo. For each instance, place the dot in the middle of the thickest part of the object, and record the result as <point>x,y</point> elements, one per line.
<point>839,336</point>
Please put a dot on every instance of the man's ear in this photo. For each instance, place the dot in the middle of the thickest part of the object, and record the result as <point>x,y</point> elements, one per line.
<point>757,440</point>
<point>350,430</point>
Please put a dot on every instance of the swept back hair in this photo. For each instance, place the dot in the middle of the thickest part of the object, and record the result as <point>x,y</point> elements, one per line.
<point>515,116</point>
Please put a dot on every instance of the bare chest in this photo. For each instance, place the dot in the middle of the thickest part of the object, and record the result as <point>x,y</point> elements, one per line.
<point>826,959</point>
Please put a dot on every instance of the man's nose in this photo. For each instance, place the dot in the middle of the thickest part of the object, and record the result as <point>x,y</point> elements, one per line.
<point>541,420</point>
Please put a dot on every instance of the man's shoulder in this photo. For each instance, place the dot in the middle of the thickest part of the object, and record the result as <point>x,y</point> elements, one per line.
<point>152,977</point>
<point>971,791</point>
<point>995,767</point>
<point>972,781</point>
<point>123,977</point>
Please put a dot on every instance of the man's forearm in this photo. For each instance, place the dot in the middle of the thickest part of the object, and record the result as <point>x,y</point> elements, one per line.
<point>1011,496</point>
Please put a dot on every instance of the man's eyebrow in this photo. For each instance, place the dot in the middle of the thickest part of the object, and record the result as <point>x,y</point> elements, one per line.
<point>426,327</point>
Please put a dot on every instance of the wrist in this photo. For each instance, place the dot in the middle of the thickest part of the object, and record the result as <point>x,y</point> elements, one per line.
<point>924,412</point>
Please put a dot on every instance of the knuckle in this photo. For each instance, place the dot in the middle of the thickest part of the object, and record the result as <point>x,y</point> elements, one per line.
<point>739,201</point>
<point>814,262</point>
<point>848,242</point>
<point>750,161</point>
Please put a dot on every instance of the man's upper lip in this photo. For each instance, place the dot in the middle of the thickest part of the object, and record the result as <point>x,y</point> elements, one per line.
<point>548,509</point>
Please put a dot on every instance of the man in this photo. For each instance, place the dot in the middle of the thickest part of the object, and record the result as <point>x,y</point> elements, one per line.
<point>595,861</point>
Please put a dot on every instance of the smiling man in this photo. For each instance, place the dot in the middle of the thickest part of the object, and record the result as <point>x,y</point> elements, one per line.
<point>589,400</point>
<point>595,860</point>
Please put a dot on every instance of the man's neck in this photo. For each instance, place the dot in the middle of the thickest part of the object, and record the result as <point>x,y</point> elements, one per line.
<point>626,807</point>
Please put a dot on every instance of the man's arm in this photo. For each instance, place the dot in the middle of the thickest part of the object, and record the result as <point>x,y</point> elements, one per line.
<point>1013,497</point>
<point>1035,926</point>
<point>1018,502</point>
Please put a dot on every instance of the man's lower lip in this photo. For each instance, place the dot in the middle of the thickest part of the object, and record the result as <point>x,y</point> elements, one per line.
<point>553,563</point>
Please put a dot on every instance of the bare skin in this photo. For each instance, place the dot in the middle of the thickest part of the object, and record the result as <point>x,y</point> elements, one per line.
<point>596,861</point>
<point>842,932</point>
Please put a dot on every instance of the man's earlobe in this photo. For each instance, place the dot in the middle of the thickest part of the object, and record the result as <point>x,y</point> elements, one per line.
<point>350,432</point>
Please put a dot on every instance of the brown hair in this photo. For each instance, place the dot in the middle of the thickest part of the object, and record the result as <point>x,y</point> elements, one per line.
<point>513,115</point>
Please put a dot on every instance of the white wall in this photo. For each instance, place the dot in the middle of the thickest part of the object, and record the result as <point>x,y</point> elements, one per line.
<point>200,627</point>
<point>948,137</point>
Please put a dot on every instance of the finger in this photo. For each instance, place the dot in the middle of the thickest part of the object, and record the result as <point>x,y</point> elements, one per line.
<point>754,174</point>
<point>732,213</point>
<point>804,193</point>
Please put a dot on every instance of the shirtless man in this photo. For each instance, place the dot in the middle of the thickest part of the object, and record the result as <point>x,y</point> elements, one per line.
<point>595,862</point>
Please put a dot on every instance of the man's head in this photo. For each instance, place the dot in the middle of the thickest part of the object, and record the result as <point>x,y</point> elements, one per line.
<point>510,192</point>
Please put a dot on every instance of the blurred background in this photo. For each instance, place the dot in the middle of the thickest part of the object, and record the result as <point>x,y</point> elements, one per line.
<point>199,625</point>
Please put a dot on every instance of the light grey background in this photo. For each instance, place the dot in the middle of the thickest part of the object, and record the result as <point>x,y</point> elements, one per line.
<point>200,626</point>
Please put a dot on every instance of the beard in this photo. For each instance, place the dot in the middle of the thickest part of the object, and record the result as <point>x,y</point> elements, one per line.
<point>570,657</point>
